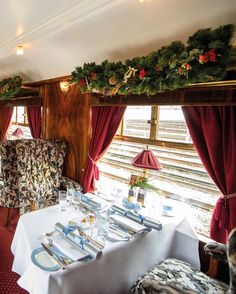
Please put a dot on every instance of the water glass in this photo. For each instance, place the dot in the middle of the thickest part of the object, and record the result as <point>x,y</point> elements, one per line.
<point>102,225</point>
<point>77,196</point>
<point>62,200</point>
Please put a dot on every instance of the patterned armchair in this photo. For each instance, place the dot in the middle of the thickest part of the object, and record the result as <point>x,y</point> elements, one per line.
<point>32,173</point>
<point>175,276</point>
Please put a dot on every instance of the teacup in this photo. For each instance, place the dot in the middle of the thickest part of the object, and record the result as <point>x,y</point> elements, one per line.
<point>167,209</point>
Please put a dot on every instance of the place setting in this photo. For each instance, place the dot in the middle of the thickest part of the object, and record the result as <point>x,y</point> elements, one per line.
<point>95,225</point>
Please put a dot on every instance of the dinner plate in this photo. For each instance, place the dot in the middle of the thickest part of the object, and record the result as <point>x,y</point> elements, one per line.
<point>43,260</point>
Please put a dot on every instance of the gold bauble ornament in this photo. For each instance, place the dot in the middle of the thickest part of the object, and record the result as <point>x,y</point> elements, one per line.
<point>112,81</point>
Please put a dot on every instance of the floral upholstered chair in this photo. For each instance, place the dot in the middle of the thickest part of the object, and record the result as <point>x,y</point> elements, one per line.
<point>32,173</point>
<point>9,189</point>
<point>174,276</point>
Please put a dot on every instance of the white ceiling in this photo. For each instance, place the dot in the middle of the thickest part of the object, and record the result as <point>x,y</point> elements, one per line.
<point>58,35</point>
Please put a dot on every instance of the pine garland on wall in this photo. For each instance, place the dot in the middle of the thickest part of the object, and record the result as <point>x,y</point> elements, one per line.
<point>10,87</point>
<point>204,59</point>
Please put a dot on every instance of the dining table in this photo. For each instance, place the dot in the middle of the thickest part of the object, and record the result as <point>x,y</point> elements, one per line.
<point>118,268</point>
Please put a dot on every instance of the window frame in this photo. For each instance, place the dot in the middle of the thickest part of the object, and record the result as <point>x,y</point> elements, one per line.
<point>15,119</point>
<point>153,136</point>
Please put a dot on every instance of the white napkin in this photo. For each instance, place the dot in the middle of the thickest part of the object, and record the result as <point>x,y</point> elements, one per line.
<point>128,223</point>
<point>67,247</point>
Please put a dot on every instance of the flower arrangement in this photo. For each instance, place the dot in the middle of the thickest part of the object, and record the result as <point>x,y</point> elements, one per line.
<point>205,58</point>
<point>141,182</point>
<point>10,87</point>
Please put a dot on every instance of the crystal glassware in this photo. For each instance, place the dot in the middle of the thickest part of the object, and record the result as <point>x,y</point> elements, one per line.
<point>62,200</point>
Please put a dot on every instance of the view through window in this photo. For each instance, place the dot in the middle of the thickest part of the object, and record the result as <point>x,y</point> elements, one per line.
<point>19,120</point>
<point>182,178</point>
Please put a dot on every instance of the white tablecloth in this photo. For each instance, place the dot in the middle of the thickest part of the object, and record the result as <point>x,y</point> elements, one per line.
<point>121,264</point>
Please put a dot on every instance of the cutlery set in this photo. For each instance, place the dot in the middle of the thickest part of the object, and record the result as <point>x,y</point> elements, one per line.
<point>59,259</point>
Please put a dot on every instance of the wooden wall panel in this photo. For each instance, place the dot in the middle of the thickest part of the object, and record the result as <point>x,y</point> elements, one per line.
<point>67,117</point>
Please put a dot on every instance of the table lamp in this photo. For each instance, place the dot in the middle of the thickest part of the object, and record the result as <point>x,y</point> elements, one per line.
<point>145,160</point>
<point>18,133</point>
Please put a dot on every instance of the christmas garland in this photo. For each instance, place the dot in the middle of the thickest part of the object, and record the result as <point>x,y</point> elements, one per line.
<point>205,58</point>
<point>10,87</point>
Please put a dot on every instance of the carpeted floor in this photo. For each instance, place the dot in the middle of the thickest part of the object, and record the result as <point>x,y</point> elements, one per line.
<point>8,279</point>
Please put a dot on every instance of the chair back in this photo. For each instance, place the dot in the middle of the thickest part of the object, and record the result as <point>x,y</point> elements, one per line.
<point>231,253</point>
<point>9,196</point>
<point>35,169</point>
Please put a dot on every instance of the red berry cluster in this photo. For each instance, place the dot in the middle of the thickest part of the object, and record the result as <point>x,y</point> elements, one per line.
<point>207,56</point>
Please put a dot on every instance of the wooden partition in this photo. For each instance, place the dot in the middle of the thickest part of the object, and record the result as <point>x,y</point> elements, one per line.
<point>67,117</point>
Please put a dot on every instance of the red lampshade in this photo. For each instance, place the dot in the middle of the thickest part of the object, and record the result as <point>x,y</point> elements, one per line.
<point>146,159</point>
<point>18,133</point>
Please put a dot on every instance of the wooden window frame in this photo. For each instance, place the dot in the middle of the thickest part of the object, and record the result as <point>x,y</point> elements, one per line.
<point>154,127</point>
<point>15,119</point>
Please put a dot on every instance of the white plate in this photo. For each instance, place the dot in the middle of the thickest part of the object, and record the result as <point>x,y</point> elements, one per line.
<point>43,260</point>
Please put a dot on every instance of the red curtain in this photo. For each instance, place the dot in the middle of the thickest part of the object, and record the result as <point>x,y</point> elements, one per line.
<point>7,115</point>
<point>105,122</point>
<point>213,131</point>
<point>34,119</point>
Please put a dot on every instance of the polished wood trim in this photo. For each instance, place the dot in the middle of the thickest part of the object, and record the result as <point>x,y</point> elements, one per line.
<point>155,114</point>
<point>223,93</point>
<point>156,142</point>
<point>67,117</point>
<point>6,216</point>
<point>213,268</point>
<point>23,101</point>
<point>32,205</point>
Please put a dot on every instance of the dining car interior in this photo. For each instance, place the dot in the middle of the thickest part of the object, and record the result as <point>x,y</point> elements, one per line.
<point>117,146</point>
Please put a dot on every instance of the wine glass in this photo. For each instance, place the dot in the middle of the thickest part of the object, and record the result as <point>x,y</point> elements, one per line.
<point>91,219</point>
<point>77,196</point>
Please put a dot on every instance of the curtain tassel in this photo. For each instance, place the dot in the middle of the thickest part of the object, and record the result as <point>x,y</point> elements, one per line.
<point>221,213</point>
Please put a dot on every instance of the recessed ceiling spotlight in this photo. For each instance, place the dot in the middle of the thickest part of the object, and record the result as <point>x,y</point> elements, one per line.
<point>20,50</point>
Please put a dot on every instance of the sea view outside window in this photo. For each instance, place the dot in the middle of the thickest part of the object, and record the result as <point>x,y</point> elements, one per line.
<point>182,179</point>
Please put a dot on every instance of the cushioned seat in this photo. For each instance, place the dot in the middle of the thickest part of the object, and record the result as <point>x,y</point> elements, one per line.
<point>175,276</point>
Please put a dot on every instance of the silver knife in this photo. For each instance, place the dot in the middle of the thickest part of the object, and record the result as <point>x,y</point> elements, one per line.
<point>45,247</point>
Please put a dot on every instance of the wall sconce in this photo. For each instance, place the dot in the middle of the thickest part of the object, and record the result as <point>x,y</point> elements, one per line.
<point>19,50</point>
<point>64,86</point>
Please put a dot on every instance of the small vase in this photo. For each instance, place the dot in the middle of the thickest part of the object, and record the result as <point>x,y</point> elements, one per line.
<point>131,195</point>
<point>141,196</point>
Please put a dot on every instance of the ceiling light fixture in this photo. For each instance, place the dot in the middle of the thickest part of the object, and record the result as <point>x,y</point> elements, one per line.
<point>20,50</point>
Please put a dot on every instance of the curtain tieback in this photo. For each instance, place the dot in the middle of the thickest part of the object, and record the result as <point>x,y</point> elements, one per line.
<point>228,196</point>
<point>96,170</point>
<point>221,213</point>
